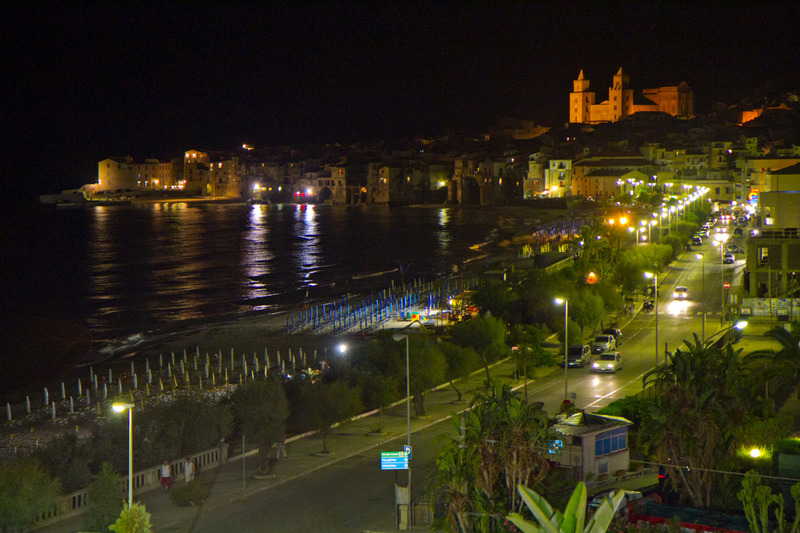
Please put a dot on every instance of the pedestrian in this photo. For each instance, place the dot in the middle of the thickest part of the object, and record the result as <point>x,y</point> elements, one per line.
<point>166,475</point>
<point>281,447</point>
<point>188,470</point>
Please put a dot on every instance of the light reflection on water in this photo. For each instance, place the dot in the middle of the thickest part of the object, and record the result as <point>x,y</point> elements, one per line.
<point>127,269</point>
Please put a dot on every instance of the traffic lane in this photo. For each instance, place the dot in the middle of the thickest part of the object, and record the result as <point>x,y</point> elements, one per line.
<point>352,495</point>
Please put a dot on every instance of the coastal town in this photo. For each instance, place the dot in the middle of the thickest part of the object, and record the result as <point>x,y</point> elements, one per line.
<point>633,191</point>
<point>606,151</point>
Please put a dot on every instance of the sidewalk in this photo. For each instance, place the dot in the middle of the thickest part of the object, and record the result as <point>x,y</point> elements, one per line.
<point>226,482</point>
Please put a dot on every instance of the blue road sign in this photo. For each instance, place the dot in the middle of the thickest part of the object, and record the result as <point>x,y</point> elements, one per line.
<point>407,450</point>
<point>394,461</point>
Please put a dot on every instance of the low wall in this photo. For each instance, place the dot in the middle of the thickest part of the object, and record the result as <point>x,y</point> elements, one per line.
<point>75,503</point>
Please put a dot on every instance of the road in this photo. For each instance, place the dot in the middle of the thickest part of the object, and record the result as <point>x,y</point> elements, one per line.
<point>354,495</point>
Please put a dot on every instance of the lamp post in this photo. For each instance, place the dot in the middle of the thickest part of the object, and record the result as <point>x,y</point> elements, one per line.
<point>703,297</point>
<point>649,275</point>
<point>719,240</point>
<point>408,418</point>
<point>565,301</point>
<point>120,407</point>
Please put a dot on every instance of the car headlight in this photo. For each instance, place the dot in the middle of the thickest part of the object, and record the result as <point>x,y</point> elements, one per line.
<point>595,365</point>
<point>610,365</point>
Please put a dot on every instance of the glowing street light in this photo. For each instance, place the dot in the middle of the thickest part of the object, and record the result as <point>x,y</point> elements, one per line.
<point>702,258</point>
<point>120,407</point>
<point>649,275</point>
<point>398,337</point>
<point>565,301</point>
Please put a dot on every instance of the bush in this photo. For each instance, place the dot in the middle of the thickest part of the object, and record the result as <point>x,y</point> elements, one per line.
<point>544,358</point>
<point>105,499</point>
<point>195,493</point>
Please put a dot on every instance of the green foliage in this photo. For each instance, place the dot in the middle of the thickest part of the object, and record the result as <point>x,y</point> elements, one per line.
<point>179,428</point>
<point>494,296</point>
<point>504,443</point>
<point>757,500</point>
<point>134,519</point>
<point>261,410</point>
<point>485,335</point>
<point>789,446</point>
<point>572,520</point>
<point>692,420</point>
<point>633,263</point>
<point>195,493</point>
<point>461,360</point>
<point>586,308</point>
<point>377,390</point>
<point>755,430</point>
<point>105,499</point>
<point>67,458</point>
<point>325,404</point>
<point>631,407</point>
<point>575,335</point>
<point>26,491</point>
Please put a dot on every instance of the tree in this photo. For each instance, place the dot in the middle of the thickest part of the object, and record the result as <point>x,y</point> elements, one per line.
<point>494,296</point>
<point>378,391</point>
<point>586,308</point>
<point>67,458</point>
<point>691,422</point>
<point>326,404</point>
<point>26,491</point>
<point>460,362</point>
<point>572,519</point>
<point>504,443</point>
<point>104,499</point>
<point>783,368</point>
<point>485,335</point>
<point>427,369</point>
<point>133,519</point>
<point>261,409</point>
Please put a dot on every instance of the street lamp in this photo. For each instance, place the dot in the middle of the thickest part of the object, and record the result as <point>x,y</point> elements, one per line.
<point>719,240</point>
<point>649,275</point>
<point>702,258</point>
<point>120,407</point>
<point>565,301</point>
<point>398,337</point>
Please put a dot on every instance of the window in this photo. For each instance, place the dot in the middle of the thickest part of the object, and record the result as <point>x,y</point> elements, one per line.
<point>611,441</point>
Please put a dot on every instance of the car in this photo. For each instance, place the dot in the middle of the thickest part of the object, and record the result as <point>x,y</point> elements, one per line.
<point>737,232</point>
<point>734,249</point>
<point>728,259</point>
<point>578,355</point>
<point>607,362</point>
<point>614,332</point>
<point>707,226</point>
<point>697,241</point>
<point>703,233</point>
<point>603,343</point>
<point>630,496</point>
<point>681,292</point>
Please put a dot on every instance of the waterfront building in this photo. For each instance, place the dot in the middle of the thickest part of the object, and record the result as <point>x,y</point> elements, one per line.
<point>115,173</point>
<point>605,177</point>
<point>676,100</point>
<point>558,178</point>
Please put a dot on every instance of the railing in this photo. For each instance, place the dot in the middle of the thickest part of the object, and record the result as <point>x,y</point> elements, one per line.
<point>75,503</point>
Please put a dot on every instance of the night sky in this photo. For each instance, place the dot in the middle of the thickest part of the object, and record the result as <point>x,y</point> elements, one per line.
<point>84,80</point>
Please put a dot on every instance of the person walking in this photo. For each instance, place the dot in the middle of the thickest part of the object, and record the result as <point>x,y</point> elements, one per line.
<point>188,470</point>
<point>166,475</point>
<point>281,447</point>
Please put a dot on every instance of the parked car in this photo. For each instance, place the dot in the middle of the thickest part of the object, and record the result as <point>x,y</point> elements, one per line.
<point>630,496</point>
<point>734,249</point>
<point>614,332</point>
<point>737,232</point>
<point>607,362</point>
<point>578,355</point>
<point>728,259</point>
<point>603,343</point>
<point>702,233</point>
<point>697,241</point>
<point>681,292</point>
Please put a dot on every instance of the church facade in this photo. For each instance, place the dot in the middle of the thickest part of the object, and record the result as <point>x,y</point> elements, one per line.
<point>583,109</point>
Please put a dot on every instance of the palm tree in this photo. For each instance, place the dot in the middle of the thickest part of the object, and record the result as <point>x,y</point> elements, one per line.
<point>691,423</point>
<point>784,368</point>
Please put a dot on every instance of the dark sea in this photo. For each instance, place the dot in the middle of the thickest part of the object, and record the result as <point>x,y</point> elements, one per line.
<point>127,273</point>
